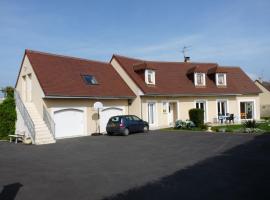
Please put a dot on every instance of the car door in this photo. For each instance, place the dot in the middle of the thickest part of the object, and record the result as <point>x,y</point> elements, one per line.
<point>138,124</point>
<point>129,123</point>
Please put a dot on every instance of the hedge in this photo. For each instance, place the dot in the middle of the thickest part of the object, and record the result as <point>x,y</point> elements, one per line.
<point>7,115</point>
<point>197,116</point>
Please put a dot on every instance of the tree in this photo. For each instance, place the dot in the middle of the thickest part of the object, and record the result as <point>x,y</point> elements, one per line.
<point>8,113</point>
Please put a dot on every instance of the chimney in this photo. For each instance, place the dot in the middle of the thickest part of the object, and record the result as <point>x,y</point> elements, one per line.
<point>187,59</point>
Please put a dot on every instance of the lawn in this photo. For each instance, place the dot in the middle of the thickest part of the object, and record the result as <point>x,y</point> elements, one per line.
<point>264,127</point>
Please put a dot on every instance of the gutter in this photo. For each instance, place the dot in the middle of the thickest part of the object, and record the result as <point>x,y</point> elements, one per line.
<point>86,97</point>
<point>187,95</point>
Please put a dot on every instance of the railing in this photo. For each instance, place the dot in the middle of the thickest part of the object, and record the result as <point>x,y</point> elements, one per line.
<point>49,121</point>
<point>25,115</point>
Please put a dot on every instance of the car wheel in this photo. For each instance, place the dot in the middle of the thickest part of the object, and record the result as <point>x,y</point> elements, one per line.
<point>109,133</point>
<point>126,132</point>
<point>145,129</point>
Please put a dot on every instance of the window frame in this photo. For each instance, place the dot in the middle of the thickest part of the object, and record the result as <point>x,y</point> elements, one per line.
<point>224,78</point>
<point>93,79</point>
<point>196,79</point>
<point>152,75</point>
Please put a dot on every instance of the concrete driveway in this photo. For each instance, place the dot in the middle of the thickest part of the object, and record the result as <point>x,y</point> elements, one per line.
<point>157,165</point>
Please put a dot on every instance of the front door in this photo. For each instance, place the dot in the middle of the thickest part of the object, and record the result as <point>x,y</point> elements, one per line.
<point>29,88</point>
<point>151,113</point>
<point>172,113</point>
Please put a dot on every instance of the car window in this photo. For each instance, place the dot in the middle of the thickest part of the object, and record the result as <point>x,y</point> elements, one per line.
<point>135,118</point>
<point>115,119</point>
<point>128,118</point>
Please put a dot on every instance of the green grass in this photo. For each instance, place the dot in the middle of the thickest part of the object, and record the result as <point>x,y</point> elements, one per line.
<point>227,128</point>
<point>239,127</point>
<point>265,127</point>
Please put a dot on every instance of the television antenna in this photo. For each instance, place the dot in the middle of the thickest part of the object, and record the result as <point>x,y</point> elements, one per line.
<point>184,51</point>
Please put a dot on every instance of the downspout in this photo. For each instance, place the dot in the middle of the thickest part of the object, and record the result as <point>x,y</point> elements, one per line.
<point>141,109</point>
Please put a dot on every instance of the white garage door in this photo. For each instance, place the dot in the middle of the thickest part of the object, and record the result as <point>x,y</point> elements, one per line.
<point>69,123</point>
<point>106,114</point>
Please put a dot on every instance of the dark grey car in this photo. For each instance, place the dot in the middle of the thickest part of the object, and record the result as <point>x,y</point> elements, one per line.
<point>126,124</point>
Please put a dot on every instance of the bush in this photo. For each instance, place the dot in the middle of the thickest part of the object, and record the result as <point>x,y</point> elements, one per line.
<point>7,116</point>
<point>250,124</point>
<point>179,124</point>
<point>197,116</point>
<point>204,126</point>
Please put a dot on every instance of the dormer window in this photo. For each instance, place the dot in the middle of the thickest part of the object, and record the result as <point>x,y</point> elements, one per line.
<point>221,79</point>
<point>150,77</point>
<point>199,79</point>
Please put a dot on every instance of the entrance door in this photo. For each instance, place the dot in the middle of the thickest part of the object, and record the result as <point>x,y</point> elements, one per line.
<point>29,88</point>
<point>202,105</point>
<point>172,113</point>
<point>151,113</point>
<point>24,91</point>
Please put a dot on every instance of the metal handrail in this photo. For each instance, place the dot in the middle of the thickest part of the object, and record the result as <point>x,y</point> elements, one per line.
<point>25,115</point>
<point>49,121</point>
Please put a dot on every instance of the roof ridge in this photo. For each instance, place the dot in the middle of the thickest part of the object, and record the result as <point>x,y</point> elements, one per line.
<point>64,56</point>
<point>143,60</point>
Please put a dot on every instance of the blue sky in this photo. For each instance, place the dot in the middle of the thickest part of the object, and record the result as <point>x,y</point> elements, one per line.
<point>229,32</point>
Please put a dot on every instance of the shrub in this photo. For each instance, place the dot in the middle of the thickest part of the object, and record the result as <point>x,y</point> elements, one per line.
<point>250,124</point>
<point>7,116</point>
<point>204,126</point>
<point>197,116</point>
<point>179,124</point>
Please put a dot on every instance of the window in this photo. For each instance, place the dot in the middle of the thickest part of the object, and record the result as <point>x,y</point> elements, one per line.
<point>221,79</point>
<point>89,79</point>
<point>199,79</point>
<point>150,77</point>
<point>115,119</point>
<point>222,107</point>
<point>164,107</point>
<point>135,118</point>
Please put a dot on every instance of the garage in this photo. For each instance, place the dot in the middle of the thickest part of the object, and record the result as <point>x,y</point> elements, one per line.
<point>69,122</point>
<point>106,114</point>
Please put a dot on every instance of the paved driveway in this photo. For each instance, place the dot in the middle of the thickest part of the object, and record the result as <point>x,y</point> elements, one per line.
<point>157,165</point>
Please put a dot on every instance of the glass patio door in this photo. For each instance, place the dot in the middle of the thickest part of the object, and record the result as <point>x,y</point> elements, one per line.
<point>202,105</point>
<point>222,108</point>
<point>247,110</point>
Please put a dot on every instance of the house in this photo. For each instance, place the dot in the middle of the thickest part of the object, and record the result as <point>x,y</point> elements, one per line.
<point>264,97</point>
<point>55,94</point>
<point>166,91</point>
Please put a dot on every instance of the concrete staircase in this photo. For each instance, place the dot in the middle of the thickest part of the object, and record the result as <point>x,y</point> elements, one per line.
<point>43,135</point>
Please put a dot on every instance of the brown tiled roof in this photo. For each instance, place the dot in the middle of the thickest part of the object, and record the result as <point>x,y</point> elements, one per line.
<point>61,76</point>
<point>172,78</point>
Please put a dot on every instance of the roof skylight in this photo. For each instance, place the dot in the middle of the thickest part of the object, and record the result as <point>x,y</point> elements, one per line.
<point>89,79</point>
